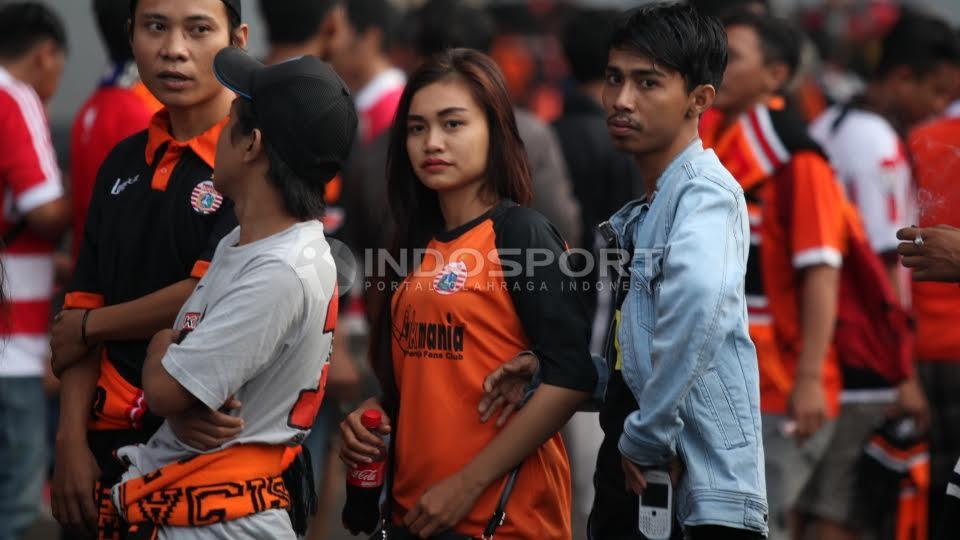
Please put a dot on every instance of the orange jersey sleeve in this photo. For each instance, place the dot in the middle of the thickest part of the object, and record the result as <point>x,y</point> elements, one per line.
<point>813,232</point>
<point>819,214</point>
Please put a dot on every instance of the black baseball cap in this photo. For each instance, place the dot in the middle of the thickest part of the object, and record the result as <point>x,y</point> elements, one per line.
<point>232,5</point>
<point>302,107</point>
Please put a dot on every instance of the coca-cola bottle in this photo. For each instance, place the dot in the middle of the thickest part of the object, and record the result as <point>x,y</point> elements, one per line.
<point>361,512</point>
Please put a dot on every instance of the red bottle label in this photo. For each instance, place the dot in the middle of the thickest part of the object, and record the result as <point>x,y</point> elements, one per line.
<point>366,476</point>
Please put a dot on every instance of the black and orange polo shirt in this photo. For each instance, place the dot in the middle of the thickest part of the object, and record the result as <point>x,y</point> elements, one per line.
<point>483,293</point>
<point>155,219</point>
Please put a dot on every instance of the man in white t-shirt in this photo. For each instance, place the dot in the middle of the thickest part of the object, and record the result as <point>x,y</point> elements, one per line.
<point>914,81</point>
<point>864,141</point>
<point>258,329</point>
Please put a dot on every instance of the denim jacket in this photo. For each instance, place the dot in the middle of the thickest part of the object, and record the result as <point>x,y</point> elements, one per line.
<point>687,356</point>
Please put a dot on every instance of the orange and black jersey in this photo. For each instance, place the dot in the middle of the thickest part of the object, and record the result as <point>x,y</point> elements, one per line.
<point>483,293</point>
<point>767,145</point>
<point>154,220</point>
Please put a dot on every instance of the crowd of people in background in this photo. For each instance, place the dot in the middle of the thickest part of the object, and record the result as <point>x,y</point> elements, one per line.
<point>791,357</point>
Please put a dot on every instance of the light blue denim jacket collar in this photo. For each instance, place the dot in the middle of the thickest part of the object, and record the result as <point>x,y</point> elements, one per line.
<point>622,219</point>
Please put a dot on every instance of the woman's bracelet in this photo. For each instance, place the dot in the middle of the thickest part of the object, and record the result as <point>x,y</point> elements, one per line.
<point>83,327</point>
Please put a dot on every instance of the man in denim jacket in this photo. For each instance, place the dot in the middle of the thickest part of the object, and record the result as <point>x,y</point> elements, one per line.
<point>683,394</point>
<point>681,379</point>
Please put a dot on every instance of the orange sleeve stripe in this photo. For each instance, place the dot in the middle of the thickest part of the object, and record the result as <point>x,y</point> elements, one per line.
<point>83,300</point>
<point>200,269</point>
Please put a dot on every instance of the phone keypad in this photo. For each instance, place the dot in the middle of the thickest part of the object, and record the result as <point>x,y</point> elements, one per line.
<point>653,527</point>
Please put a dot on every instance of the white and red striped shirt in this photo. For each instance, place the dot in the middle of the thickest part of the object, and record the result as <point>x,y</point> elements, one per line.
<point>377,103</point>
<point>29,178</point>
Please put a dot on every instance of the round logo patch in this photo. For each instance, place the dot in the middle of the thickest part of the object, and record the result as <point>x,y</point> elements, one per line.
<point>451,279</point>
<point>205,198</point>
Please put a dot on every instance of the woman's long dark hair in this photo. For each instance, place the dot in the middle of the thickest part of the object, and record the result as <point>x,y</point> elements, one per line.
<point>415,208</point>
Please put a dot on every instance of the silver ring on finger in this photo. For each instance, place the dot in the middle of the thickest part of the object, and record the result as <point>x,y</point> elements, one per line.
<point>918,241</point>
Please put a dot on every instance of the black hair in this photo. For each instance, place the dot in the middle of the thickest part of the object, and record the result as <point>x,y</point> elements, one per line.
<point>302,198</point>
<point>585,38</point>
<point>375,14</point>
<point>25,24</point>
<point>780,41</point>
<point>515,18</point>
<point>294,21</point>
<point>450,24</point>
<point>919,41</point>
<point>112,17</point>
<point>675,36</point>
<point>720,8</point>
<point>233,21</point>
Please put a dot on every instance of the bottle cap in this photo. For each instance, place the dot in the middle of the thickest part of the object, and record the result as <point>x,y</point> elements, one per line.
<point>371,418</point>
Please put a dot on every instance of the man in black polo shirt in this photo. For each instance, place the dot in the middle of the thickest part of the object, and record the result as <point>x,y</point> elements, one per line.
<point>153,224</point>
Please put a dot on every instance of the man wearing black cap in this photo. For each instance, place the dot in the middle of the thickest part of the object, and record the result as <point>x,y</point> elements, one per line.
<point>154,221</point>
<point>259,327</point>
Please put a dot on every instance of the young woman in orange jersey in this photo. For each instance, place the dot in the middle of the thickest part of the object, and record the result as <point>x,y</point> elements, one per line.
<point>491,287</point>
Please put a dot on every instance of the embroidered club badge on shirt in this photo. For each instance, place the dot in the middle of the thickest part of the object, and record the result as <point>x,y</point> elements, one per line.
<point>451,279</point>
<point>205,198</point>
<point>191,320</point>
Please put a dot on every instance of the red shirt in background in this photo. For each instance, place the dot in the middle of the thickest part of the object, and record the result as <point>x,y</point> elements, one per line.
<point>377,103</point>
<point>120,107</point>
<point>29,179</point>
<point>935,149</point>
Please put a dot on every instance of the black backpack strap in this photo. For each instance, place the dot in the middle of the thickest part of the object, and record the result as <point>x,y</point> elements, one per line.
<point>391,404</point>
<point>298,479</point>
<point>845,110</point>
<point>500,514</point>
<point>13,233</point>
<point>386,511</point>
<point>752,195</point>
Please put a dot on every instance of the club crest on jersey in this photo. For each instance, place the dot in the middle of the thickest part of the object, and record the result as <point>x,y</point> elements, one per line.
<point>191,320</point>
<point>205,199</point>
<point>451,278</point>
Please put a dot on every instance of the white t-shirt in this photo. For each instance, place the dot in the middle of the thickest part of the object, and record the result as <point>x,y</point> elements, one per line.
<point>871,161</point>
<point>261,331</point>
